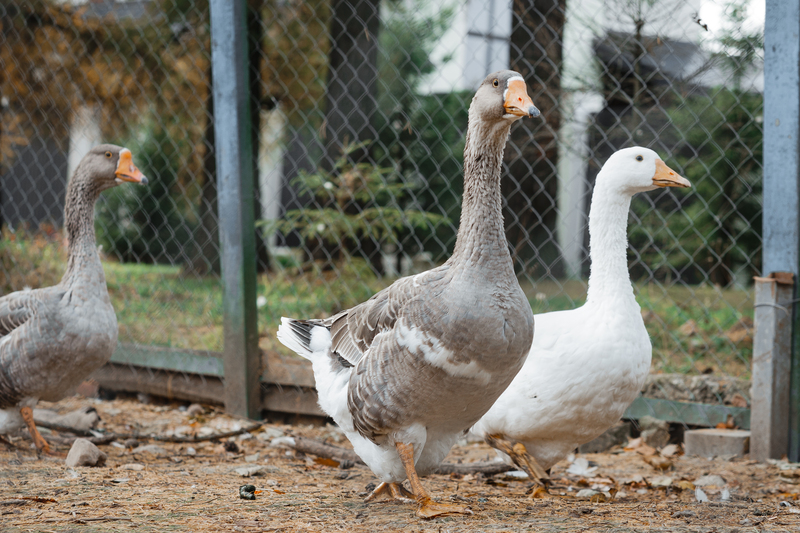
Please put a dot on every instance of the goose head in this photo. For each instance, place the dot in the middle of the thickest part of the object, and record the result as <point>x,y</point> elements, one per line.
<point>108,165</point>
<point>502,98</point>
<point>638,169</point>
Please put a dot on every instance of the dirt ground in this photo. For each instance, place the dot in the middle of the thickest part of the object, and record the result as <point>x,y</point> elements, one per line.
<point>195,486</point>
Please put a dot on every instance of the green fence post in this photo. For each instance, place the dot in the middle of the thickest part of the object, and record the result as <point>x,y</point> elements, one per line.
<point>233,147</point>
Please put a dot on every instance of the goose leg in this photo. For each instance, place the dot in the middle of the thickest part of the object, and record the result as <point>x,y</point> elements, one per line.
<point>38,440</point>
<point>525,461</point>
<point>395,491</point>
<point>427,507</point>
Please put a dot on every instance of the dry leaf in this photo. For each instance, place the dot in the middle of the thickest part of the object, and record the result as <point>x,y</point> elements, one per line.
<point>728,424</point>
<point>326,462</point>
<point>38,500</point>
<point>658,462</point>
<point>739,401</point>
<point>598,498</point>
<point>661,481</point>
<point>689,328</point>
<point>684,485</point>
<point>671,450</point>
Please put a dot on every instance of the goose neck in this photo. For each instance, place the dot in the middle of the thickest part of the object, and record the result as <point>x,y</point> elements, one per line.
<point>609,278</point>
<point>79,228</point>
<point>481,235</point>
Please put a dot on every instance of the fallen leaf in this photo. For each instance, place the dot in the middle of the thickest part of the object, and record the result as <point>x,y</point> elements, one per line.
<point>639,446</point>
<point>661,481</point>
<point>326,462</point>
<point>711,480</point>
<point>728,424</point>
<point>684,485</point>
<point>658,462</point>
<point>599,498</point>
<point>38,500</point>
<point>688,328</point>
<point>580,467</point>
<point>739,401</point>
<point>671,450</point>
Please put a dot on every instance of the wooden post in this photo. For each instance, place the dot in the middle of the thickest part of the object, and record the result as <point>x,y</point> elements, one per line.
<point>769,417</point>
<point>781,195</point>
<point>235,197</point>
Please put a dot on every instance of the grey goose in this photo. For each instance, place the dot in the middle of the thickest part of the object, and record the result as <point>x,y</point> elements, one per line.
<point>409,370</point>
<point>52,338</point>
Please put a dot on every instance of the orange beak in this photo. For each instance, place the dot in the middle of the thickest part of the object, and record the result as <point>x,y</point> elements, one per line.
<point>666,177</point>
<point>517,102</point>
<point>126,170</point>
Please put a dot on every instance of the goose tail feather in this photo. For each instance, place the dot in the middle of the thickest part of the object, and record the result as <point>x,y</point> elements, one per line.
<point>304,337</point>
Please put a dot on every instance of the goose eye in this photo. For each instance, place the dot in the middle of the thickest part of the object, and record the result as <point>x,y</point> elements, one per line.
<point>495,83</point>
<point>639,158</point>
<point>108,155</point>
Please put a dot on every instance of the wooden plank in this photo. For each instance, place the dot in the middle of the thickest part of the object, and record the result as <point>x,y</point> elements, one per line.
<point>177,385</point>
<point>283,370</point>
<point>689,413</point>
<point>291,371</point>
<point>295,400</point>
<point>204,363</point>
<point>772,358</point>
<point>233,146</point>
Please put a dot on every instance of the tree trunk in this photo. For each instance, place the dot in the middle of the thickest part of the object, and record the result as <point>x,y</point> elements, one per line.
<point>537,31</point>
<point>352,91</point>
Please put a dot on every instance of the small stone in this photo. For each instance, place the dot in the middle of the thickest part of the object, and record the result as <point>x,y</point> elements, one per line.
<point>251,458</point>
<point>711,480</point>
<point>155,449</point>
<point>586,493</point>
<point>195,409</point>
<point>85,453</point>
<point>269,433</point>
<point>684,514</point>
<point>131,443</point>
<point>249,471</point>
<point>191,451</point>
<point>136,467</point>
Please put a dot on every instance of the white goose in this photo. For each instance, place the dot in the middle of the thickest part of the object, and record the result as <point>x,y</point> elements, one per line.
<point>588,364</point>
<point>408,371</point>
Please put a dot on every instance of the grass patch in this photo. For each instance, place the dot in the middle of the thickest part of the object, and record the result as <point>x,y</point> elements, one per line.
<point>692,328</point>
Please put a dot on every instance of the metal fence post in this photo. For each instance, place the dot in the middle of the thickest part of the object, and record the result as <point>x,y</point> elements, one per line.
<point>781,200</point>
<point>235,193</point>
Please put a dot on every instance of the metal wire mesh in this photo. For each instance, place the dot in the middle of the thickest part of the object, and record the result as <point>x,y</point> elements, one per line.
<point>359,114</point>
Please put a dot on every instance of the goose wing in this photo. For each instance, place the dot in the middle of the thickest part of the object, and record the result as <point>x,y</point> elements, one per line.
<point>353,331</point>
<point>24,334</point>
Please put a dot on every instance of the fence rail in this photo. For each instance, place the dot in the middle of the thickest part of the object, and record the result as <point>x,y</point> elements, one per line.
<point>351,116</point>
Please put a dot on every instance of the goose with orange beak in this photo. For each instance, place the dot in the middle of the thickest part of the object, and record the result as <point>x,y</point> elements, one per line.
<point>585,365</point>
<point>52,338</point>
<point>405,373</point>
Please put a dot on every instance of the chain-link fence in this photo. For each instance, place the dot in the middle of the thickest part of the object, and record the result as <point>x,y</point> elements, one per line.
<point>358,116</point>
